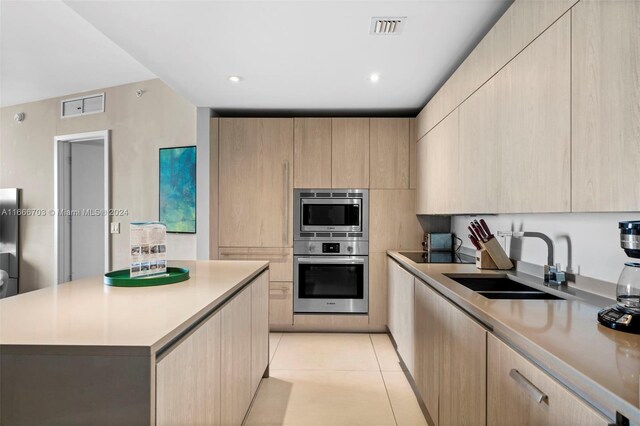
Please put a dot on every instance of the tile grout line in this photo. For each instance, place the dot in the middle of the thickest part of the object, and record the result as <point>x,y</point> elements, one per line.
<point>384,383</point>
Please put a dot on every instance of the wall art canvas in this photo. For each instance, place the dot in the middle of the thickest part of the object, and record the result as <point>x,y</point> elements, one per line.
<point>178,189</point>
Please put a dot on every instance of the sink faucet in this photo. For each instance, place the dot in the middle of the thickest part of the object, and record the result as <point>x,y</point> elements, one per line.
<point>553,274</point>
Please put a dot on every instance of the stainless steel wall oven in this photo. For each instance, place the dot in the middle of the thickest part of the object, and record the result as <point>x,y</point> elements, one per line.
<point>331,251</point>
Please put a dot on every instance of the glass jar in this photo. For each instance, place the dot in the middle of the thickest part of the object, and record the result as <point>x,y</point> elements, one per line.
<point>628,288</point>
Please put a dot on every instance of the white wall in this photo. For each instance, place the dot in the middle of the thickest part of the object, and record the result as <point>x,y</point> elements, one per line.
<point>588,242</point>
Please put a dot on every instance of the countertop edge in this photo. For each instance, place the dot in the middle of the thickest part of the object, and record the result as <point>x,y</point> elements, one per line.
<point>183,329</point>
<point>601,398</point>
<point>142,350</point>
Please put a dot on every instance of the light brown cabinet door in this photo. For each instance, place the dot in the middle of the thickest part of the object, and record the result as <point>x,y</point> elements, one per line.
<point>378,290</point>
<point>401,316</point>
<point>280,304</point>
<point>389,148</point>
<point>605,99</point>
<point>463,369</point>
<point>256,182</point>
<point>439,185</point>
<point>521,394</point>
<point>393,224</point>
<point>188,379</point>
<point>235,365</point>
<point>259,329</point>
<point>515,134</point>
<point>312,152</point>
<point>428,343</point>
<point>350,153</point>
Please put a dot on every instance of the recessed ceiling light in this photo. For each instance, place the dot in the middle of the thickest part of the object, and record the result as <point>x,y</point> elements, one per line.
<point>374,77</point>
<point>234,78</point>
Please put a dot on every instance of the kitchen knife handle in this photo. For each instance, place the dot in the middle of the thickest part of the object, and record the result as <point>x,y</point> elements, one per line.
<point>475,242</point>
<point>485,228</point>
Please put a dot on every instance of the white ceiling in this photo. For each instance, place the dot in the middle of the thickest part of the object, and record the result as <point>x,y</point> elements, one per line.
<point>292,55</point>
<point>48,50</point>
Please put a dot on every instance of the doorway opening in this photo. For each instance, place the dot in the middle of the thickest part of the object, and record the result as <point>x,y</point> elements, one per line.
<point>81,168</point>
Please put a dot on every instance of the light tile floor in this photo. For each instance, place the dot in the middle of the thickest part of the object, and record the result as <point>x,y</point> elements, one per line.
<point>334,379</point>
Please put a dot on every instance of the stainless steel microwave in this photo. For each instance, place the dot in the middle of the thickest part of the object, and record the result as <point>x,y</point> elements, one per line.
<point>331,213</point>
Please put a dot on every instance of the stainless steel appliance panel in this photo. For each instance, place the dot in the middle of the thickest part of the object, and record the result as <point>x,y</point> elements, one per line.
<point>331,284</point>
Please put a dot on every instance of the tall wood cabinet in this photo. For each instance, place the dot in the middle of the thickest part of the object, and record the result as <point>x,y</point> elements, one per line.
<point>256,180</point>
<point>350,153</point>
<point>605,96</point>
<point>312,152</point>
<point>389,158</point>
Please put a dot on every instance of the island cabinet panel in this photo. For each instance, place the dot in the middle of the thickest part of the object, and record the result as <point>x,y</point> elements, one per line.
<point>605,99</point>
<point>389,146</point>
<point>427,339</point>
<point>350,153</point>
<point>463,369</point>
<point>312,152</point>
<point>235,344</point>
<point>188,379</point>
<point>519,393</point>
<point>256,182</point>
<point>401,319</point>
<point>259,329</point>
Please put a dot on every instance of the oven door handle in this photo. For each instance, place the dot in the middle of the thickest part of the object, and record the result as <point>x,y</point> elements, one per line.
<point>332,260</point>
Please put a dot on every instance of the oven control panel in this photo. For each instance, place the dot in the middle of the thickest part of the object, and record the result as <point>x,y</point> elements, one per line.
<point>331,248</point>
<point>328,248</point>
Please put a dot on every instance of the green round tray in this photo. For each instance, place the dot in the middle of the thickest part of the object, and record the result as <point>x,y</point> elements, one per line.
<point>122,279</point>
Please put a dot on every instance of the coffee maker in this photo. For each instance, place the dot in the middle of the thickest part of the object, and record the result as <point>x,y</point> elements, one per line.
<point>625,315</point>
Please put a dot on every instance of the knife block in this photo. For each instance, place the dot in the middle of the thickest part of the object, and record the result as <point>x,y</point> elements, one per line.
<point>497,254</point>
<point>484,260</point>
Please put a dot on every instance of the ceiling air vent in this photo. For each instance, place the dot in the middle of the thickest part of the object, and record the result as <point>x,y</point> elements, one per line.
<point>387,25</point>
<point>91,104</point>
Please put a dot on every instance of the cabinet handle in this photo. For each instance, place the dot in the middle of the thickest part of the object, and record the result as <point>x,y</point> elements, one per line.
<point>286,203</point>
<point>535,393</point>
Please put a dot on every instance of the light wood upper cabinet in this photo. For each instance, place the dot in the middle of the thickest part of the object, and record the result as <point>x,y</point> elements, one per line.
<point>188,379</point>
<point>463,369</point>
<point>534,108</point>
<point>389,147</point>
<point>256,182</point>
<point>605,99</point>
<point>427,341</point>
<point>235,343</point>
<point>413,154</point>
<point>259,329</point>
<point>518,393</point>
<point>312,152</point>
<point>350,153</point>
<point>439,185</point>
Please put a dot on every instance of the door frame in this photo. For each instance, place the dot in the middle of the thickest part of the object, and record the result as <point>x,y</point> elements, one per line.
<point>58,195</point>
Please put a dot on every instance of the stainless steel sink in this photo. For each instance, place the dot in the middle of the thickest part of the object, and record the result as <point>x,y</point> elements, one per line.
<point>502,287</point>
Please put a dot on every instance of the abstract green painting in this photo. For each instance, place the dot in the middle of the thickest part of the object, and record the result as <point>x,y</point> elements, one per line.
<point>178,189</point>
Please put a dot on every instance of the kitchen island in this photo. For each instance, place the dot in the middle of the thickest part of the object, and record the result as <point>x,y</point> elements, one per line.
<point>517,361</point>
<point>86,353</point>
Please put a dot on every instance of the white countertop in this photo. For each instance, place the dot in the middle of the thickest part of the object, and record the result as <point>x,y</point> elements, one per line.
<point>562,336</point>
<point>95,317</point>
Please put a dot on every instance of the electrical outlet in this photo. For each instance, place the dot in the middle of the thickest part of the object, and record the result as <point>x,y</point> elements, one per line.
<point>115,227</point>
